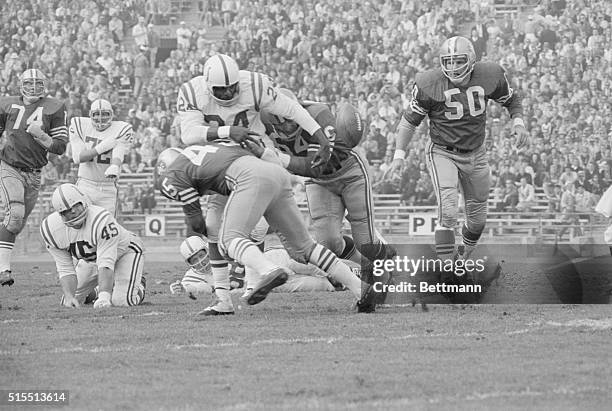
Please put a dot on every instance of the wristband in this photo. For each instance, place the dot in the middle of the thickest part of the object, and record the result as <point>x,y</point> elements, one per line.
<point>517,121</point>
<point>104,295</point>
<point>399,154</point>
<point>284,158</point>
<point>223,132</point>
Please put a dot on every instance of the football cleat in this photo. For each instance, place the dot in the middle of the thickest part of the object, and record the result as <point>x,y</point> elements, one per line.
<point>91,297</point>
<point>275,279</point>
<point>6,278</point>
<point>217,308</point>
<point>367,302</point>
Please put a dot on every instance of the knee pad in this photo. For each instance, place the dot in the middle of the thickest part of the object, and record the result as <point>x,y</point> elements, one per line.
<point>14,218</point>
<point>476,216</point>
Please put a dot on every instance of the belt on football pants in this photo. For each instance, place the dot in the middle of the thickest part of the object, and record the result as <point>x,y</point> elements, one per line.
<point>454,149</point>
<point>27,169</point>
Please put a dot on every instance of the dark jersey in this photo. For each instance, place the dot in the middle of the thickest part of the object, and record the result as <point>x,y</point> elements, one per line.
<point>19,149</point>
<point>302,144</point>
<point>457,115</point>
<point>198,171</point>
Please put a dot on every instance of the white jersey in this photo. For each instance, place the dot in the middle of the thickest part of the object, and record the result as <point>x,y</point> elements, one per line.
<point>83,135</point>
<point>198,110</point>
<point>101,240</point>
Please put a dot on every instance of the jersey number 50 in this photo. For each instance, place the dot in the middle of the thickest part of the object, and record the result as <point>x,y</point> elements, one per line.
<point>473,93</point>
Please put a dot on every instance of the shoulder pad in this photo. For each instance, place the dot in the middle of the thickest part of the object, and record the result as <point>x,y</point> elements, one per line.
<point>487,74</point>
<point>192,89</point>
<point>256,85</point>
<point>52,229</point>
<point>432,83</point>
<point>52,104</point>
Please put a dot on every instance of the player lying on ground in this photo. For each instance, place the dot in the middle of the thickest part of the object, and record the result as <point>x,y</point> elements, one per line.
<point>87,232</point>
<point>33,125</point>
<point>198,279</point>
<point>256,188</point>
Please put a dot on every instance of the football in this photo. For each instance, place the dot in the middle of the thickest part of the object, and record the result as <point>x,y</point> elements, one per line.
<point>349,125</point>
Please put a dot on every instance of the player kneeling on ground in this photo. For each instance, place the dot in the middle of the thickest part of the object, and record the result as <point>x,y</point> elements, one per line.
<point>90,233</point>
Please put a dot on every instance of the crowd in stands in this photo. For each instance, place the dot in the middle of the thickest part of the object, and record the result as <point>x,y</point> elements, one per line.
<point>557,55</point>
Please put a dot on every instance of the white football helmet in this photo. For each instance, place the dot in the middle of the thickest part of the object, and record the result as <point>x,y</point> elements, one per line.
<point>166,158</point>
<point>222,77</point>
<point>101,114</point>
<point>71,204</point>
<point>195,253</point>
<point>457,58</point>
<point>33,85</point>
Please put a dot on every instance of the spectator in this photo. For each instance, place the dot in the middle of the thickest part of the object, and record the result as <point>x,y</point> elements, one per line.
<point>526,196</point>
<point>509,197</point>
<point>141,70</point>
<point>154,42</point>
<point>147,199</point>
<point>183,36</point>
<point>139,33</point>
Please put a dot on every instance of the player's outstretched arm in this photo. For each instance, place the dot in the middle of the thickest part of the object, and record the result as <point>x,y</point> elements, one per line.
<point>405,133</point>
<point>69,286</point>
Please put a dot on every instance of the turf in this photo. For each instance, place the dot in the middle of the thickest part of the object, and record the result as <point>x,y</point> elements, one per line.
<point>301,351</point>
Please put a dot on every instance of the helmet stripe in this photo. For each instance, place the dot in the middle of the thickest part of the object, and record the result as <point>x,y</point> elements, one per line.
<point>63,198</point>
<point>225,72</point>
<point>191,250</point>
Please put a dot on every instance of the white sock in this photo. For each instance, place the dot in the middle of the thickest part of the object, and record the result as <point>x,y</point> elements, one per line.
<point>6,251</point>
<point>221,280</point>
<point>248,254</point>
<point>251,277</point>
<point>336,269</point>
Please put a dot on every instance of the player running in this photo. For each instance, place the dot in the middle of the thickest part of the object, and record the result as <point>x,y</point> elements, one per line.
<point>454,97</point>
<point>256,188</point>
<point>88,232</point>
<point>33,126</point>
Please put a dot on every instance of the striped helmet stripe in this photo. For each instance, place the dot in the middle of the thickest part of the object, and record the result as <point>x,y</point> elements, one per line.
<point>191,250</point>
<point>225,72</point>
<point>63,197</point>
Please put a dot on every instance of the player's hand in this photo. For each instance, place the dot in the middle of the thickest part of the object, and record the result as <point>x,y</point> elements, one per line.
<point>112,171</point>
<point>105,145</point>
<point>71,302</point>
<point>396,166</point>
<point>322,156</point>
<point>38,134</point>
<point>253,145</point>
<point>521,136</point>
<point>177,287</point>
<point>102,302</point>
<point>240,134</point>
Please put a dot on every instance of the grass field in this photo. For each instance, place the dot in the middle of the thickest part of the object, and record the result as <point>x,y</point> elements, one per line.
<point>301,351</point>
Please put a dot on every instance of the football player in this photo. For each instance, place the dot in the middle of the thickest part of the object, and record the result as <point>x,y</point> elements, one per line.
<point>88,232</point>
<point>225,102</point>
<point>454,96</point>
<point>33,126</point>
<point>99,144</point>
<point>342,185</point>
<point>198,279</point>
<point>256,188</point>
